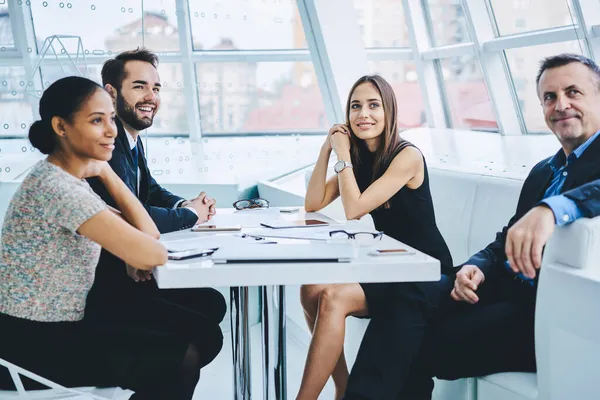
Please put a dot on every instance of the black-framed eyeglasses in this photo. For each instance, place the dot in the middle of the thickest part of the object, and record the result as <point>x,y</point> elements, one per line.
<point>247,204</point>
<point>358,236</point>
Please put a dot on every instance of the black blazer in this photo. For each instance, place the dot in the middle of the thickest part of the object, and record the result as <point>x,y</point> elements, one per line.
<point>582,186</point>
<point>158,201</point>
<point>111,274</point>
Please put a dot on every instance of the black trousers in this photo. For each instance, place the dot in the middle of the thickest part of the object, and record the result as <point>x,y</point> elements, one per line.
<point>123,303</point>
<point>86,354</point>
<point>423,333</point>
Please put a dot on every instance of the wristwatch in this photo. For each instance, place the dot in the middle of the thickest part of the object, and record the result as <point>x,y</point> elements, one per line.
<point>341,165</point>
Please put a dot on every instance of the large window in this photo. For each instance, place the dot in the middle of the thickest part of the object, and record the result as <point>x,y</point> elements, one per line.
<point>517,16</point>
<point>252,72</point>
<point>524,64</point>
<point>235,95</point>
<point>109,26</point>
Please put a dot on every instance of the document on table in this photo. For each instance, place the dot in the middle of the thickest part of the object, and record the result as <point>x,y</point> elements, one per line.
<point>246,218</point>
<point>202,242</point>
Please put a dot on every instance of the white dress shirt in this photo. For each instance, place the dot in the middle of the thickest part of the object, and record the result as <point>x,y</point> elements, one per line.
<point>132,143</point>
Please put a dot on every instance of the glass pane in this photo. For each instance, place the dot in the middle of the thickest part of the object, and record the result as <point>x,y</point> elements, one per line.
<point>264,96</point>
<point>52,73</point>
<point>402,76</point>
<point>124,25</point>
<point>524,64</point>
<point>382,23</point>
<point>172,115</point>
<point>246,25</point>
<point>16,102</point>
<point>517,16</point>
<point>448,23</point>
<point>470,105</point>
<point>6,35</point>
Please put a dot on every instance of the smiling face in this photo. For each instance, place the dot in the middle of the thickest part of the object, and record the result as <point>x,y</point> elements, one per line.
<point>139,98</point>
<point>366,114</point>
<point>91,132</point>
<point>571,103</point>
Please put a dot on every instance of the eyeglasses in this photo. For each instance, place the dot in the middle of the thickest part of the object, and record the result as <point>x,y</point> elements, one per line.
<point>361,238</point>
<point>251,203</point>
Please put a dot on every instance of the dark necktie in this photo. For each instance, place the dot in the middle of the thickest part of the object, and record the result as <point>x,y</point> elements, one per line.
<point>135,154</point>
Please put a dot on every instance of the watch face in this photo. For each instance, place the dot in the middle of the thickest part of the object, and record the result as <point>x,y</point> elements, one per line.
<point>338,166</point>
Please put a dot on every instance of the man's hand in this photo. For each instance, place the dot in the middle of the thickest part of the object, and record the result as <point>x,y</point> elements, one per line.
<point>139,275</point>
<point>204,205</point>
<point>201,208</point>
<point>466,284</point>
<point>211,203</point>
<point>526,240</point>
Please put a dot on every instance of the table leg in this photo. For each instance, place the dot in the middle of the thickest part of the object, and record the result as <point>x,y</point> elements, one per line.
<point>274,343</point>
<point>240,343</point>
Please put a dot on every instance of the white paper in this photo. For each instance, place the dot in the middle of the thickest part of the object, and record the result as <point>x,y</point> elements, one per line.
<point>202,242</point>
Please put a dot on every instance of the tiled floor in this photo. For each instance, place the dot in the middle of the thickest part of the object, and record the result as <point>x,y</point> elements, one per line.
<point>216,382</point>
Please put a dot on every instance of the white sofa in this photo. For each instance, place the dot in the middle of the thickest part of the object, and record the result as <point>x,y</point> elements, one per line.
<point>470,209</point>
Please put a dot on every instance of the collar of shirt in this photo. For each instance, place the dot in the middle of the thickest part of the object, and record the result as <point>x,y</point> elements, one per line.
<point>558,161</point>
<point>131,140</point>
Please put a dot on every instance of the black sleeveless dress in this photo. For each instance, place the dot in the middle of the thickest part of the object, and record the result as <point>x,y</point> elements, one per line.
<point>410,219</point>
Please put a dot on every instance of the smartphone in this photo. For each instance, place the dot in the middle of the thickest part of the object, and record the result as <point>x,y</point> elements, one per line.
<point>216,228</point>
<point>305,223</point>
<point>391,252</point>
<point>195,253</point>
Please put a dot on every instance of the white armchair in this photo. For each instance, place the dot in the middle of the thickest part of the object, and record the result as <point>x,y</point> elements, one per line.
<point>567,323</point>
<point>567,319</point>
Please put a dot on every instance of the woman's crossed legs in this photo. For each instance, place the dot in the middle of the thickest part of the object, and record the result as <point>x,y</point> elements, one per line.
<point>325,309</point>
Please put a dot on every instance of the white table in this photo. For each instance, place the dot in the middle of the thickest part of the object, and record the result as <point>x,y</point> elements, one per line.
<point>272,278</point>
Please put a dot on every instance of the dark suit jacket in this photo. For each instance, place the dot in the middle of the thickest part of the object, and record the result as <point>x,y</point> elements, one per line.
<point>155,199</point>
<point>582,186</point>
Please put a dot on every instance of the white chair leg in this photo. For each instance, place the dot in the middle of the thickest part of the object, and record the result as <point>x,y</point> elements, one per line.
<point>15,372</point>
<point>17,381</point>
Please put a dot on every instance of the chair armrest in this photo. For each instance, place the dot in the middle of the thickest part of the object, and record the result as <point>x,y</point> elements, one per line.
<point>576,245</point>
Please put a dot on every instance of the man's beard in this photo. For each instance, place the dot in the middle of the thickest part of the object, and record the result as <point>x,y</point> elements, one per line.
<point>127,114</point>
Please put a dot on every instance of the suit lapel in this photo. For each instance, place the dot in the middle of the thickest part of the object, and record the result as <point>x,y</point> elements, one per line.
<point>144,184</point>
<point>122,136</point>
<point>122,160</point>
<point>540,183</point>
<point>584,169</point>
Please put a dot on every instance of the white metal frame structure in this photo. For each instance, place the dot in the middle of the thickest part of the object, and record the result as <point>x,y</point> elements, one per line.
<point>331,49</point>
